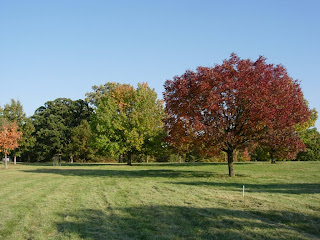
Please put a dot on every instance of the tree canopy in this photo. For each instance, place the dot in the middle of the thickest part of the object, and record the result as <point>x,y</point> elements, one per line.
<point>53,125</point>
<point>9,138</point>
<point>232,106</point>
<point>128,120</point>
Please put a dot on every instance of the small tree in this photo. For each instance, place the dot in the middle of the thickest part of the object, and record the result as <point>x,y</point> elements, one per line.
<point>80,147</point>
<point>13,112</point>
<point>9,138</point>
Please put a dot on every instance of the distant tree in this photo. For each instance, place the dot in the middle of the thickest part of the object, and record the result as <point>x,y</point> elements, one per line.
<point>80,147</point>
<point>9,138</point>
<point>53,125</point>
<point>13,112</point>
<point>232,106</point>
<point>28,140</point>
<point>128,120</point>
<point>311,138</point>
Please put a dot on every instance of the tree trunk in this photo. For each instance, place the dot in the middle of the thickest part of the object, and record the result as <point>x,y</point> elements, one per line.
<point>5,161</point>
<point>15,159</point>
<point>129,159</point>
<point>235,156</point>
<point>273,160</point>
<point>230,154</point>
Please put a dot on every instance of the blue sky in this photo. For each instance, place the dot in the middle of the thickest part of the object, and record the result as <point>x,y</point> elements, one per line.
<point>51,49</point>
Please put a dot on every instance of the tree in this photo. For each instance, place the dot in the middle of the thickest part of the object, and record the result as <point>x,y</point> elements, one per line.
<point>80,147</point>
<point>232,106</point>
<point>9,138</point>
<point>53,125</point>
<point>28,140</point>
<point>311,138</point>
<point>13,112</point>
<point>127,120</point>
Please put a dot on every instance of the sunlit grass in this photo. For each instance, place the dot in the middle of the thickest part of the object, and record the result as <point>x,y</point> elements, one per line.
<point>161,201</point>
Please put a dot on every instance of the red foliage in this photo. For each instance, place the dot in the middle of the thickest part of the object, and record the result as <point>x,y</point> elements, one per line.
<point>9,137</point>
<point>234,105</point>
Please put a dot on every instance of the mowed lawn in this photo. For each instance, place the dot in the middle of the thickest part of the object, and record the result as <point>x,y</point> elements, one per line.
<point>160,201</point>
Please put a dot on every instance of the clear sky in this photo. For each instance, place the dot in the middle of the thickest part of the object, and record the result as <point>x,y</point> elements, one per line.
<point>51,49</point>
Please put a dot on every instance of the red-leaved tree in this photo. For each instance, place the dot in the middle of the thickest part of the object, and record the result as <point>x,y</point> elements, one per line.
<point>9,138</point>
<point>233,106</point>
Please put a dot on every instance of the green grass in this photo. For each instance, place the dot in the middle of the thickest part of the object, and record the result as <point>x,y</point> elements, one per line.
<point>160,201</point>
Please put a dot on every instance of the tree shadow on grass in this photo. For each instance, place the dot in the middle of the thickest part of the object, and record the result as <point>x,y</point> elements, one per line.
<point>143,164</point>
<point>158,173</point>
<point>290,188</point>
<point>183,164</point>
<point>49,164</point>
<point>167,222</point>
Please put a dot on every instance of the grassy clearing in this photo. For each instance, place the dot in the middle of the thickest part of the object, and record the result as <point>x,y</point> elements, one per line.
<point>161,201</point>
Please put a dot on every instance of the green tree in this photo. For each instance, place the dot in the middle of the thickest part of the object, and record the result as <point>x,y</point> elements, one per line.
<point>128,121</point>
<point>300,127</point>
<point>53,125</point>
<point>311,138</point>
<point>80,147</point>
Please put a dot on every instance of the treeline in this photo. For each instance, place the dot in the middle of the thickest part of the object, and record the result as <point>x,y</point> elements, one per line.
<point>116,122</point>
<point>214,114</point>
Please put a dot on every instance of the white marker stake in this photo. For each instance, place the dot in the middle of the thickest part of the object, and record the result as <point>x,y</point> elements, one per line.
<point>243,191</point>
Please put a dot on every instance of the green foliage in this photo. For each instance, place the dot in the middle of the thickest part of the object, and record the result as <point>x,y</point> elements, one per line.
<point>310,122</point>
<point>128,121</point>
<point>53,126</point>
<point>99,92</point>
<point>260,154</point>
<point>80,147</point>
<point>13,112</point>
<point>28,140</point>
<point>311,138</point>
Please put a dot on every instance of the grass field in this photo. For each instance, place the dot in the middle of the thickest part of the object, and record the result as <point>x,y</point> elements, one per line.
<point>160,201</point>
